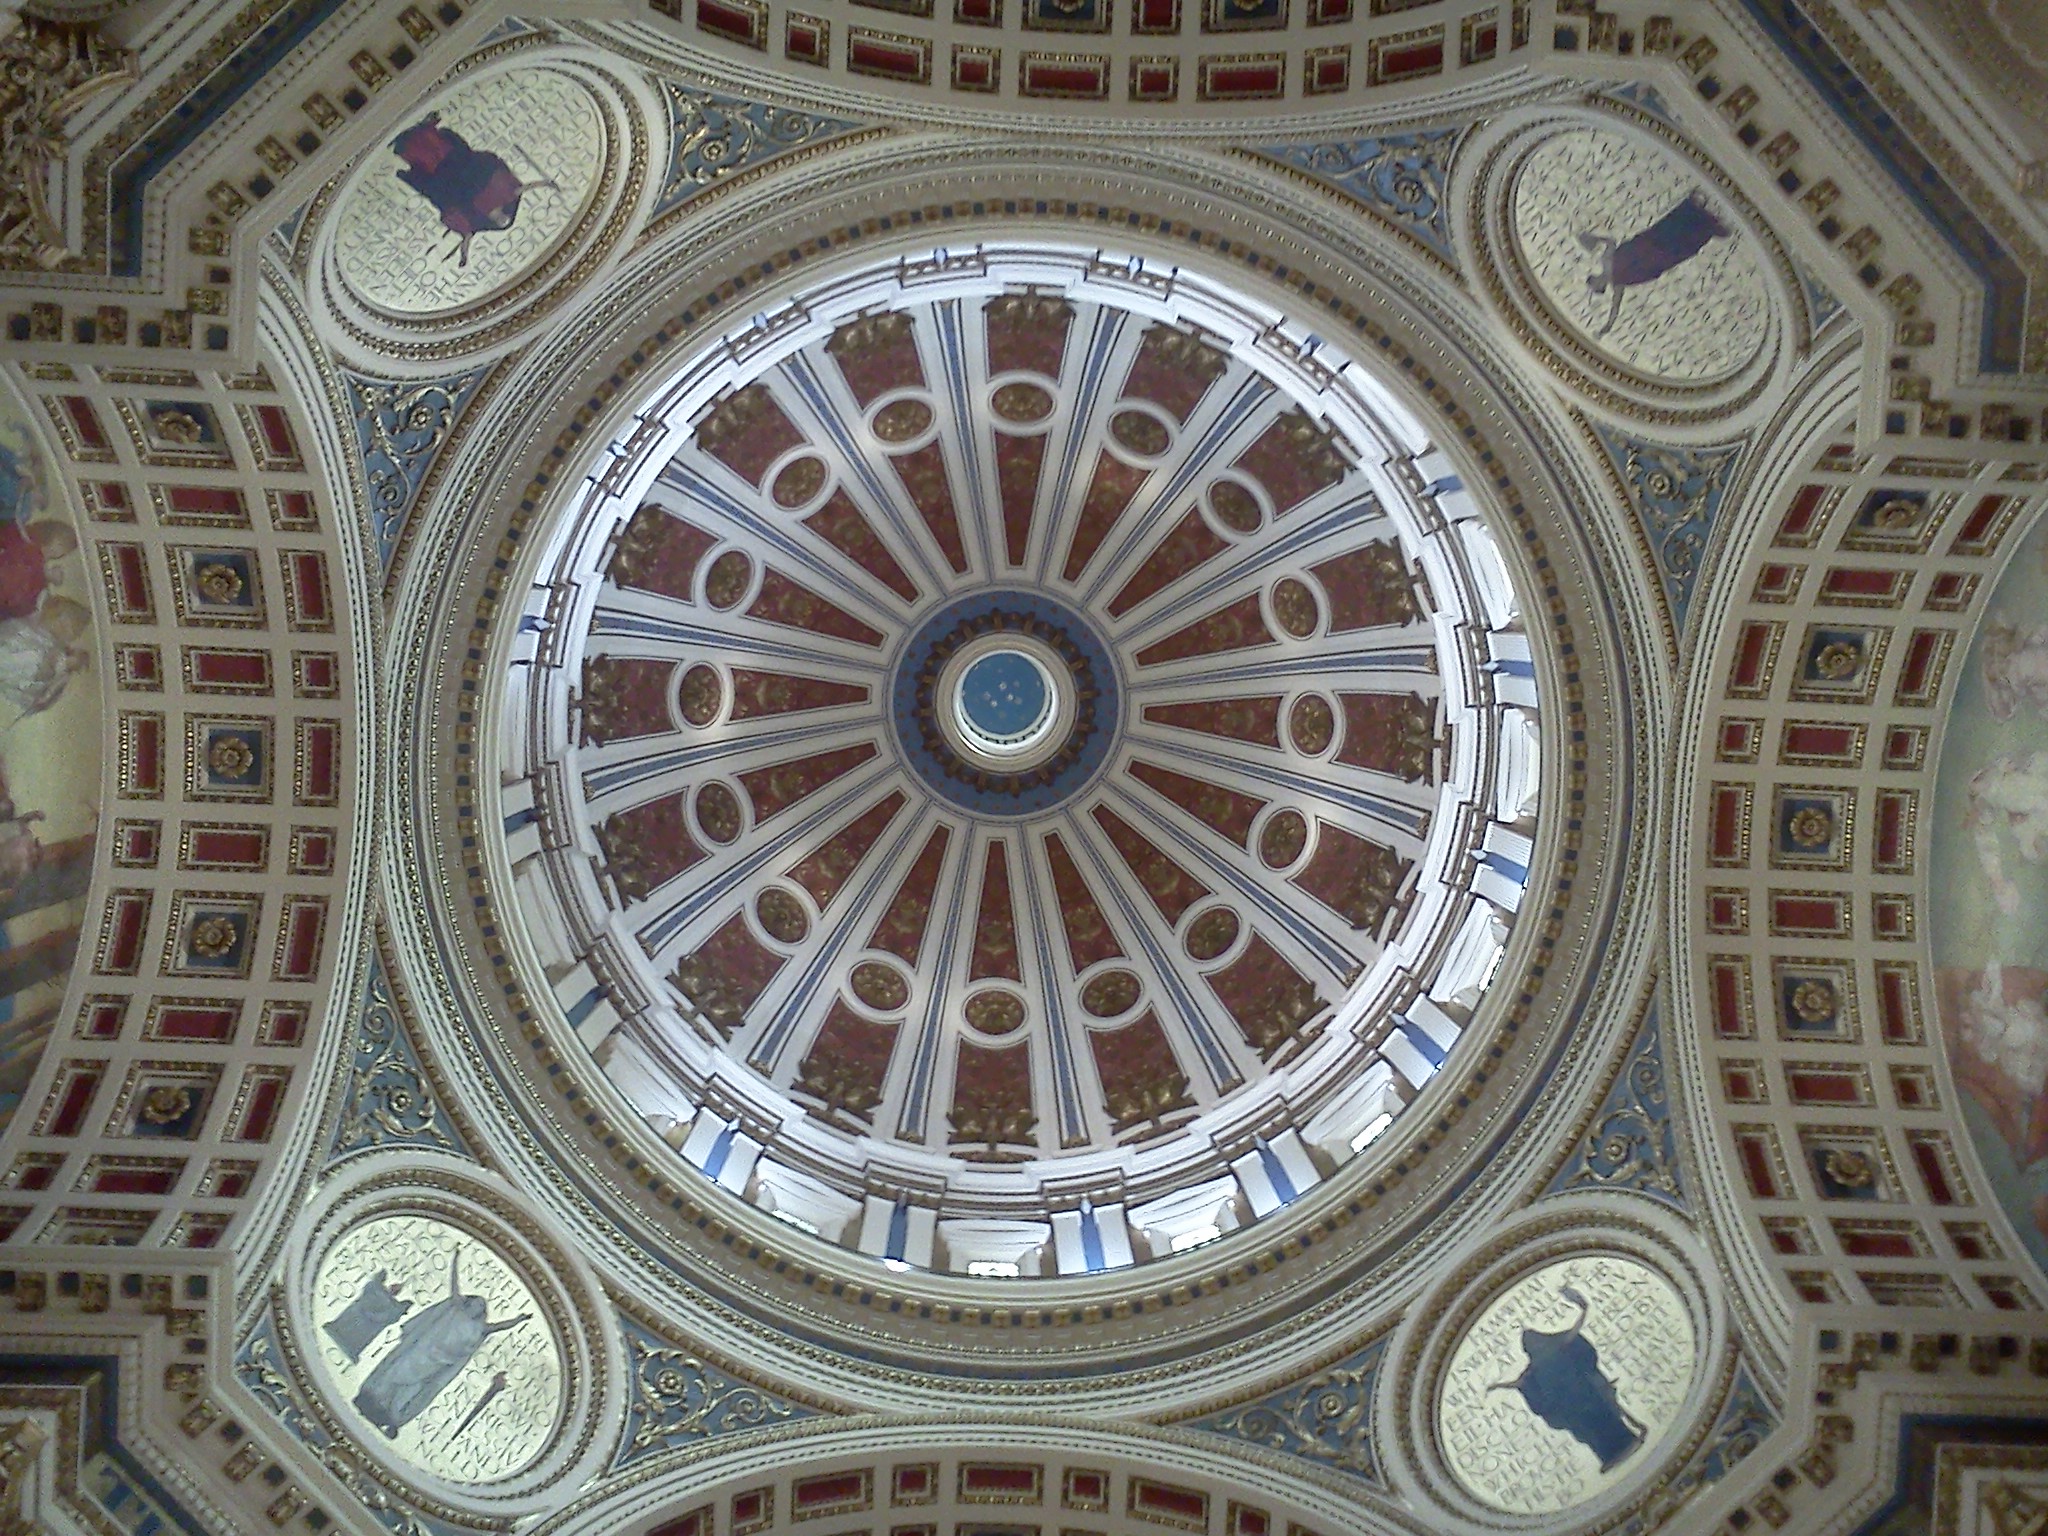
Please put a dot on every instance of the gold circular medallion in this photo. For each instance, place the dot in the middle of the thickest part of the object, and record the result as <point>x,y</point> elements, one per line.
<point>1235,507</point>
<point>701,695</point>
<point>1295,607</point>
<point>1285,835</point>
<point>994,1013</point>
<point>726,582</point>
<point>718,812</point>
<point>1311,723</point>
<point>1111,993</point>
<point>880,986</point>
<point>901,420</point>
<point>1144,434</point>
<point>1212,933</point>
<point>1022,402</point>
<point>782,916</point>
<point>798,481</point>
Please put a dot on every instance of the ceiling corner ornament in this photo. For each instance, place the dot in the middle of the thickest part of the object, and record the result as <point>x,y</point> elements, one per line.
<point>713,136</point>
<point>675,1398</point>
<point>1325,1418</point>
<point>1403,177</point>
<point>401,427</point>
<point>261,1369</point>
<point>1675,491</point>
<point>387,1100</point>
<point>1632,1143</point>
<point>1044,772</point>
<point>1823,305</point>
<point>48,70</point>
<point>1746,1419</point>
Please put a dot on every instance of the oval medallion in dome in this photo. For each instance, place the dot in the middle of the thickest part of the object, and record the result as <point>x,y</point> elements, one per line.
<point>1090,796</point>
<point>472,194</point>
<point>1565,1382</point>
<point>1636,257</point>
<point>438,1343</point>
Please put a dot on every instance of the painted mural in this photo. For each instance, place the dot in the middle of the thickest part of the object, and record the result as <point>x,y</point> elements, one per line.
<point>49,750</point>
<point>471,194</point>
<point>438,1346</point>
<point>1989,871</point>
<point>1631,253</point>
<point>1564,1383</point>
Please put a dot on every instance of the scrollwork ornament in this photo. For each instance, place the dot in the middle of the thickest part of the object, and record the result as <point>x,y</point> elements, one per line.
<point>1632,1144</point>
<point>1401,176</point>
<point>400,428</point>
<point>1326,1419</point>
<point>388,1101</point>
<point>1676,494</point>
<point>716,135</point>
<point>674,1398</point>
<point>1745,1422</point>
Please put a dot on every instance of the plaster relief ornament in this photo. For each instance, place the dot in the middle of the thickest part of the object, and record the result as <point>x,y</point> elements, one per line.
<point>439,1347</point>
<point>1633,255</point>
<point>472,194</point>
<point>1564,1384</point>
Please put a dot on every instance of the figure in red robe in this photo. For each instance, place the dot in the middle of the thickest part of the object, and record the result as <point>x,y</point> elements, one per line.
<point>26,550</point>
<point>472,189</point>
<point>1648,254</point>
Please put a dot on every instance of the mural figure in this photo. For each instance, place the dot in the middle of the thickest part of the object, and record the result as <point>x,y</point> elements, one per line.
<point>1989,873</point>
<point>47,766</point>
<point>376,1307</point>
<point>2015,668</point>
<point>433,1347</point>
<point>1647,255</point>
<point>2008,797</point>
<point>1565,1388</point>
<point>39,653</point>
<point>27,551</point>
<point>472,189</point>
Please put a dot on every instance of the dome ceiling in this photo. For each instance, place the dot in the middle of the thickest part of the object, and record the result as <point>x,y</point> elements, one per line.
<point>1277,878</point>
<point>1029,745</point>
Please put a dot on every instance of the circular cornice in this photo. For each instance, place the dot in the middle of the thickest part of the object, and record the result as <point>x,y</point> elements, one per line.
<point>1245,904</point>
<point>761,1269</point>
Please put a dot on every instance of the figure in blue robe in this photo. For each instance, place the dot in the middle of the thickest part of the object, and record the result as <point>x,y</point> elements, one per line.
<point>1565,1388</point>
<point>1648,254</point>
<point>433,1348</point>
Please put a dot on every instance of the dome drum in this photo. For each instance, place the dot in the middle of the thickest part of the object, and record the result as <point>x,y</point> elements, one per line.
<point>1151,935</point>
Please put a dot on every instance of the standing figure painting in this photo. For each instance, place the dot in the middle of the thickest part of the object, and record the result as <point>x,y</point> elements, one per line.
<point>1565,1388</point>
<point>1647,255</point>
<point>433,1347</point>
<point>472,189</point>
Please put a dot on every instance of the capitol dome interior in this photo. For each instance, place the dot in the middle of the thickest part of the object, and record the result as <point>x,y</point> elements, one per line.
<point>1024,767</point>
